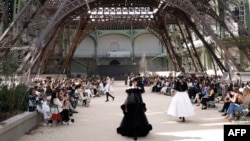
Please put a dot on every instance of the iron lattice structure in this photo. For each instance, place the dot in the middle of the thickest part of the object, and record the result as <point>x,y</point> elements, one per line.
<point>38,28</point>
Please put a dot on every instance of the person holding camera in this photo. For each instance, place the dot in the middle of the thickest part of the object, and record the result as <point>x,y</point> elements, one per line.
<point>60,104</point>
<point>227,100</point>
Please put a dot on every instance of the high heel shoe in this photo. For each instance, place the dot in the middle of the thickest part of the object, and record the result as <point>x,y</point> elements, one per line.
<point>135,136</point>
<point>183,119</point>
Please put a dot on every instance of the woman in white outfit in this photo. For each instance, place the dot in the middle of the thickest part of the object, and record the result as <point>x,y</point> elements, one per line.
<point>59,106</point>
<point>181,105</point>
<point>45,110</point>
<point>84,96</point>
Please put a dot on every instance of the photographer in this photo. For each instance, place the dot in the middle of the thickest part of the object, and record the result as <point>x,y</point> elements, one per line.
<point>60,104</point>
<point>66,108</point>
<point>230,97</point>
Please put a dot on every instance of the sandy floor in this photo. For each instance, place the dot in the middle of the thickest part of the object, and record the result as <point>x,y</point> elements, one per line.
<point>99,122</point>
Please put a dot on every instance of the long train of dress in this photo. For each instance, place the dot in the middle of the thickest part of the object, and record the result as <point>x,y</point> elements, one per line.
<point>134,122</point>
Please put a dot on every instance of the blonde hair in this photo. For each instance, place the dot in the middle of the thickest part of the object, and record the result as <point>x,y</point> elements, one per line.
<point>246,91</point>
<point>246,94</point>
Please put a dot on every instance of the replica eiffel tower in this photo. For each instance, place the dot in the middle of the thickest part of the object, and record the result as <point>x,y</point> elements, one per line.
<point>44,34</point>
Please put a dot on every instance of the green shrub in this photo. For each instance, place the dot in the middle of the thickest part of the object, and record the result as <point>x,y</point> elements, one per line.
<point>4,106</point>
<point>13,98</point>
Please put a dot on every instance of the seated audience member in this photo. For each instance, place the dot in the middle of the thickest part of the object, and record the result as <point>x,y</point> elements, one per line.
<point>242,102</point>
<point>224,92</point>
<point>201,92</point>
<point>194,88</point>
<point>49,89</point>
<point>100,87</point>
<point>171,86</point>
<point>227,100</point>
<point>66,108</point>
<point>59,106</point>
<point>33,98</point>
<point>165,87</point>
<point>45,110</point>
<point>157,86</point>
<point>192,91</point>
<point>208,97</point>
<point>241,88</point>
<point>84,96</point>
<point>89,89</point>
<point>190,83</point>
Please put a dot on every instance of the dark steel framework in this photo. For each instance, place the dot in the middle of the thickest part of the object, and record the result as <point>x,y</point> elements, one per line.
<point>39,27</point>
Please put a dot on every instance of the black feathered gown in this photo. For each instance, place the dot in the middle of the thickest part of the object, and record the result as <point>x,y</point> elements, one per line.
<point>134,122</point>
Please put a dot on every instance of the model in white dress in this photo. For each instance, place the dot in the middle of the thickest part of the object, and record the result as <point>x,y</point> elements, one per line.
<point>181,105</point>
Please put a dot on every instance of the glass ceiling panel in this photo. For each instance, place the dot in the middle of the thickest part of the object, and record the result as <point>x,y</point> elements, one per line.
<point>105,13</point>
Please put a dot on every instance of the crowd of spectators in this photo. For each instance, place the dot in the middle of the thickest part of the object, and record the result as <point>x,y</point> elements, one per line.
<point>62,96</point>
<point>234,95</point>
<point>67,94</point>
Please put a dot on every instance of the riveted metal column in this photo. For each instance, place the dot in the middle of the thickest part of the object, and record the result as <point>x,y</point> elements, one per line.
<point>131,36</point>
<point>189,52</point>
<point>96,40</point>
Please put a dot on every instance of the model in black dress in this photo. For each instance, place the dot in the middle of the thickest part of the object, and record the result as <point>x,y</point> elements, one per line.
<point>134,123</point>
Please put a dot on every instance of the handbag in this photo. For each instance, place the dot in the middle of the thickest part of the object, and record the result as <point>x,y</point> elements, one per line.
<point>56,117</point>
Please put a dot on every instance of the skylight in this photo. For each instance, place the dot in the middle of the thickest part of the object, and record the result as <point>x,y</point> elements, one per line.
<point>105,13</point>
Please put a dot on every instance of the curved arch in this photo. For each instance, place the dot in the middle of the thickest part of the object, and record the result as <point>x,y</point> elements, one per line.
<point>124,43</point>
<point>86,48</point>
<point>68,10</point>
<point>151,47</point>
<point>141,34</point>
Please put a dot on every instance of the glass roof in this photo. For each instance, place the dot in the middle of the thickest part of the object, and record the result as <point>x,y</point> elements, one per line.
<point>107,13</point>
